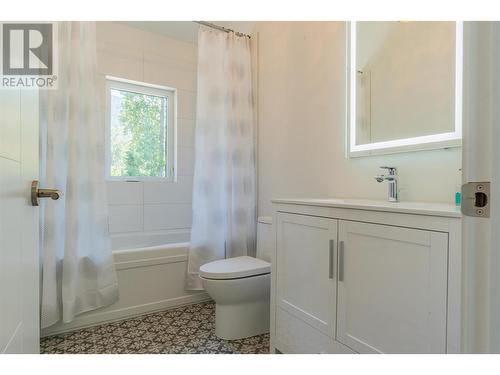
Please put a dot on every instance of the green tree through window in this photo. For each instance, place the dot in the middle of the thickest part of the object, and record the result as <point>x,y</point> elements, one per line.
<point>138,134</point>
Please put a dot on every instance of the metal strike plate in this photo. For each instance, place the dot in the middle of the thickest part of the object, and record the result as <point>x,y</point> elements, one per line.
<point>476,199</point>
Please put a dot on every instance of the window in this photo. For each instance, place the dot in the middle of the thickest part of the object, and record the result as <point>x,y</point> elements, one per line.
<point>140,131</point>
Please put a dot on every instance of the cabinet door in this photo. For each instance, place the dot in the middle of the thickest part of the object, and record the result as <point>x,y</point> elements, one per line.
<point>392,289</point>
<point>305,269</point>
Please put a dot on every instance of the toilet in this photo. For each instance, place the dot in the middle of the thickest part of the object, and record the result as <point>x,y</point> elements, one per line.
<point>241,288</point>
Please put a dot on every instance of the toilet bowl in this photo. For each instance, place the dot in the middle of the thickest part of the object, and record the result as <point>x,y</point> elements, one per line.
<point>241,287</point>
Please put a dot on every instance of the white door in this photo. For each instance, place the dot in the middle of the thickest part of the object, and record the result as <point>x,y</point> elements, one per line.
<point>19,258</point>
<point>305,279</point>
<point>392,288</point>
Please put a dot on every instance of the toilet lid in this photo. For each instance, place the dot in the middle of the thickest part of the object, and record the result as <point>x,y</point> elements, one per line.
<point>233,268</point>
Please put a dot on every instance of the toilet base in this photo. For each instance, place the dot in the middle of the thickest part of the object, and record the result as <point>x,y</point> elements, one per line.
<point>242,320</point>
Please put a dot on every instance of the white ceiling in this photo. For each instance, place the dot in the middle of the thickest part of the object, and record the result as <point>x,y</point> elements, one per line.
<point>186,31</point>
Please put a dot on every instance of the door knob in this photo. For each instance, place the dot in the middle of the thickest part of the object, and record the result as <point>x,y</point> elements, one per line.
<point>36,193</point>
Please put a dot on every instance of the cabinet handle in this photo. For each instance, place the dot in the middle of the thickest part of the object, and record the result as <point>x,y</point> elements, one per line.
<point>341,261</point>
<point>330,263</point>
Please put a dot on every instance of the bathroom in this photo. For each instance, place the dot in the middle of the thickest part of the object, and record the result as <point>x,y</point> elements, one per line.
<point>249,187</point>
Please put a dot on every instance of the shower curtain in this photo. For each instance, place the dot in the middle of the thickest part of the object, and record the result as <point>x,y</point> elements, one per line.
<point>224,212</point>
<point>78,274</point>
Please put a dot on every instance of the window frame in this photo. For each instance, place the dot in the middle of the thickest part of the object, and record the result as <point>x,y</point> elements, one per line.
<point>115,83</point>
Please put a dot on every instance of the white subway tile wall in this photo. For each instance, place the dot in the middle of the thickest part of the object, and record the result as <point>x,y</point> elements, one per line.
<point>125,218</point>
<point>186,132</point>
<point>167,216</point>
<point>166,192</point>
<point>125,193</point>
<point>185,161</point>
<point>131,53</point>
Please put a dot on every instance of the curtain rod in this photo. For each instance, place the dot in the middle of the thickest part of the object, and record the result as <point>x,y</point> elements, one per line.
<point>214,26</point>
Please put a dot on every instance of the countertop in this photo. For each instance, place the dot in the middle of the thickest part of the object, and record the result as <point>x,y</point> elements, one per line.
<point>416,208</point>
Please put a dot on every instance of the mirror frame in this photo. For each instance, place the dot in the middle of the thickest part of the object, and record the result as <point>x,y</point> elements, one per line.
<point>427,142</point>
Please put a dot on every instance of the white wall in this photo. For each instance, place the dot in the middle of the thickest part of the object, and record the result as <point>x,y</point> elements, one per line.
<point>127,52</point>
<point>301,119</point>
<point>301,134</point>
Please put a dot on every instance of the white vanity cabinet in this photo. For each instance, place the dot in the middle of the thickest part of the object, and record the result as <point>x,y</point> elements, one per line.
<point>306,253</point>
<point>391,289</point>
<point>365,277</point>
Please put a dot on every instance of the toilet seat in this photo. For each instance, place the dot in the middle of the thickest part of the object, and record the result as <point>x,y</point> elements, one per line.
<point>234,268</point>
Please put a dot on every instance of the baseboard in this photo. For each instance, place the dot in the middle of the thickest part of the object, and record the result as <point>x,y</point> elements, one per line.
<point>98,317</point>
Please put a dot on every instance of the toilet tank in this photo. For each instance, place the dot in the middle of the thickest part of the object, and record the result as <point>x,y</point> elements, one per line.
<point>264,237</point>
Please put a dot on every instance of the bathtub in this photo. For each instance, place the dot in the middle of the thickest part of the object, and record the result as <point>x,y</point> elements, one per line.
<point>138,241</point>
<point>151,269</point>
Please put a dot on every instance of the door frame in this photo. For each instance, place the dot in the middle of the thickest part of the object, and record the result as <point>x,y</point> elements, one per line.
<point>481,244</point>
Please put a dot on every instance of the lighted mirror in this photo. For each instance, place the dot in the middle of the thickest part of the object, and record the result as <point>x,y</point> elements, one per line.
<point>405,86</point>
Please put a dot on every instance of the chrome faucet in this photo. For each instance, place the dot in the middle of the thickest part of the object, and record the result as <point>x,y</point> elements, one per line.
<point>392,179</point>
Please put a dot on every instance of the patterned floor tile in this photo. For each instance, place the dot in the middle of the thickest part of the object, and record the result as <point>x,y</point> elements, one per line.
<point>188,329</point>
